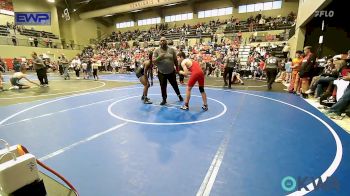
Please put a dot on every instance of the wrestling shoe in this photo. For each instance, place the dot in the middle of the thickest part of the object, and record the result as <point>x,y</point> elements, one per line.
<point>184,107</point>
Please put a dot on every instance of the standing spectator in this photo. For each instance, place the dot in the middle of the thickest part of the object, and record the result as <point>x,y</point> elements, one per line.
<point>285,50</point>
<point>296,65</point>
<point>50,42</point>
<point>16,65</point>
<point>36,41</point>
<point>76,64</point>
<point>166,61</point>
<point>40,70</point>
<point>306,70</point>
<point>288,67</point>
<point>65,67</point>
<point>60,67</point>
<point>14,40</point>
<point>95,65</point>
<point>31,41</point>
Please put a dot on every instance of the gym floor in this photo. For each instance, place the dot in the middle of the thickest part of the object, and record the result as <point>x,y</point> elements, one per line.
<point>105,141</point>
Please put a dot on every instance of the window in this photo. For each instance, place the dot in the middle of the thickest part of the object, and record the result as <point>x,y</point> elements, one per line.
<point>215,12</point>
<point>125,24</point>
<point>167,18</point>
<point>190,16</point>
<point>229,10</point>
<point>242,9</point>
<point>268,6</point>
<point>201,14</point>
<point>277,5</point>
<point>222,12</point>
<point>207,13</point>
<point>179,17</point>
<point>259,6</point>
<point>148,21</point>
<point>250,8</point>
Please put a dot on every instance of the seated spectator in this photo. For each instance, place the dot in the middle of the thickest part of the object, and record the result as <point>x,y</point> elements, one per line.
<point>330,73</point>
<point>337,109</point>
<point>342,56</point>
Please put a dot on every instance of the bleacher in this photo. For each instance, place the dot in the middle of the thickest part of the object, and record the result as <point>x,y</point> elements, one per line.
<point>243,26</point>
<point>3,30</point>
<point>34,33</point>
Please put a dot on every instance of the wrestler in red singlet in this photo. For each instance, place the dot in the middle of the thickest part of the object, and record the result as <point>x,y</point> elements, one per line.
<point>196,75</point>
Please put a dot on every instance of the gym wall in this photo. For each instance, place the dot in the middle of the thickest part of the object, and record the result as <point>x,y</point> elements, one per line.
<point>287,7</point>
<point>35,6</point>
<point>8,51</point>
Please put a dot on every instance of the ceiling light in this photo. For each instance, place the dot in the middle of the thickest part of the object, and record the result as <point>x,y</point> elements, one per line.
<point>51,1</point>
<point>136,11</point>
<point>171,4</point>
<point>108,15</point>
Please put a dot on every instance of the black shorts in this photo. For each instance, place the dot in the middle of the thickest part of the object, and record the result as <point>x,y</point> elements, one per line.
<point>139,75</point>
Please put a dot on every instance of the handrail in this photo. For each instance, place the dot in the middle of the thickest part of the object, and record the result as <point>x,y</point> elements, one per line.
<point>7,40</point>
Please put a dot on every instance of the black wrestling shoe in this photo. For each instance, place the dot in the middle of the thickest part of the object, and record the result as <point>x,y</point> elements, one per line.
<point>205,107</point>
<point>184,107</point>
<point>180,98</point>
<point>142,98</point>
<point>163,102</point>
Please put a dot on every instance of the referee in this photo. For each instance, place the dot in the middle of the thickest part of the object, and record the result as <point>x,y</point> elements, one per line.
<point>165,59</point>
<point>40,70</point>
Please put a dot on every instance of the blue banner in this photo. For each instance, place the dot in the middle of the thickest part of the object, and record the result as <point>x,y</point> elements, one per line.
<point>33,18</point>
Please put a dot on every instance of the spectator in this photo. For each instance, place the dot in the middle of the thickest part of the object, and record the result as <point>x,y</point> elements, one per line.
<point>285,50</point>
<point>35,41</point>
<point>337,109</point>
<point>296,65</point>
<point>306,70</point>
<point>16,65</point>
<point>31,41</point>
<point>14,40</point>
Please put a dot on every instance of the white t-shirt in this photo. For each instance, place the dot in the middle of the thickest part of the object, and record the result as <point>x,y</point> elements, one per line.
<point>76,63</point>
<point>341,87</point>
<point>84,65</point>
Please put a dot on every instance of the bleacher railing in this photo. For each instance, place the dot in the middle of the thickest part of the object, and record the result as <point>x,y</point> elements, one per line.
<point>5,40</point>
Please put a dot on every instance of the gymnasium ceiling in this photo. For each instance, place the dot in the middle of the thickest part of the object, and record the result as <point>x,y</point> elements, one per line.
<point>89,5</point>
<point>82,6</point>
